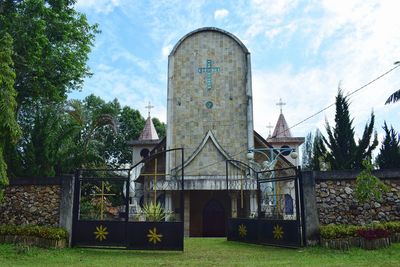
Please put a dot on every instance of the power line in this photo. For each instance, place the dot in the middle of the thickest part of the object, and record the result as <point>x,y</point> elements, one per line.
<point>311,116</point>
<point>349,94</point>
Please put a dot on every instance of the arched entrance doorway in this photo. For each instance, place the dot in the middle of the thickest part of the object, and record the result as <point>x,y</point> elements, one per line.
<point>214,219</point>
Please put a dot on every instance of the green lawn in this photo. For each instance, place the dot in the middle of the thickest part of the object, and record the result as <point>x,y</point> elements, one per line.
<point>200,252</point>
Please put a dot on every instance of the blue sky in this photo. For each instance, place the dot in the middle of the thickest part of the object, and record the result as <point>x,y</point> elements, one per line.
<point>300,50</point>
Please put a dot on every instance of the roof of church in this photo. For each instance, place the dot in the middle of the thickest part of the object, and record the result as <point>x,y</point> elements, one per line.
<point>149,131</point>
<point>244,48</point>
<point>281,128</point>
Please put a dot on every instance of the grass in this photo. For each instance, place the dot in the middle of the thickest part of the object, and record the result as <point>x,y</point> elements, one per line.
<point>199,252</point>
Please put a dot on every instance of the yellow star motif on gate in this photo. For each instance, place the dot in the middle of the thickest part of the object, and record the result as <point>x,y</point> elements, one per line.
<point>278,232</point>
<point>153,236</point>
<point>101,233</point>
<point>242,230</point>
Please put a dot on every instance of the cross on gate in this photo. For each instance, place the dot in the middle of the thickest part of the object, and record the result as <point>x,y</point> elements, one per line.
<point>149,107</point>
<point>102,195</point>
<point>209,70</point>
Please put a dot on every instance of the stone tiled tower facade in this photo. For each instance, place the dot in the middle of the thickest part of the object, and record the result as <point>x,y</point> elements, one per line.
<point>210,111</point>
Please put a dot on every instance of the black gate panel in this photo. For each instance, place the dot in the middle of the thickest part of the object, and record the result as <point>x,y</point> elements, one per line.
<point>279,232</point>
<point>240,229</point>
<point>99,233</point>
<point>136,208</point>
<point>279,219</point>
<point>155,235</point>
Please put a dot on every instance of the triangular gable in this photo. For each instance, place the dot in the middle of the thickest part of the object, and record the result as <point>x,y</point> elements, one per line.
<point>209,136</point>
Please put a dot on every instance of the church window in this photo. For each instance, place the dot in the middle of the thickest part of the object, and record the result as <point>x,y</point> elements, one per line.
<point>144,153</point>
<point>288,204</point>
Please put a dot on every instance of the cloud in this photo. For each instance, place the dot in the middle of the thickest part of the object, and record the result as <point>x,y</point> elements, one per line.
<point>130,89</point>
<point>221,14</point>
<point>166,50</point>
<point>99,6</point>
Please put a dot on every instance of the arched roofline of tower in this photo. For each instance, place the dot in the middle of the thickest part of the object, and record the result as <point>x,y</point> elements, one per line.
<point>204,29</point>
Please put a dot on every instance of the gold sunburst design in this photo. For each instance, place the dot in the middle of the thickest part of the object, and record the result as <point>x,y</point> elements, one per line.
<point>101,233</point>
<point>242,230</point>
<point>153,236</point>
<point>278,232</point>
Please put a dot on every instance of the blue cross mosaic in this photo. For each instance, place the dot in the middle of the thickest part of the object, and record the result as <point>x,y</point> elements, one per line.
<point>209,70</point>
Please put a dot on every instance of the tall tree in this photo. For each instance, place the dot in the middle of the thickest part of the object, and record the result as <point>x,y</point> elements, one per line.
<point>343,151</point>
<point>389,155</point>
<point>9,129</point>
<point>51,45</point>
<point>160,127</point>
<point>318,153</point>
<point>307,152</point>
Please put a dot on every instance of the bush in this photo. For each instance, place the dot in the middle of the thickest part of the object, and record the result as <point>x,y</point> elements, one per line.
<point>393,227</point>
<point>54,233</point>
<point>333,231</point>
<point>371,234</point>
<point>154,212</point>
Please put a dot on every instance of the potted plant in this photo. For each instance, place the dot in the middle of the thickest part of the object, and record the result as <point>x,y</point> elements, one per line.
<point>154,212</point>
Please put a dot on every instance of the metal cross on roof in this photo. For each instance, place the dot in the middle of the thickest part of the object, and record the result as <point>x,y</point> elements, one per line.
<point>149,107</point>
<point>281,104</point>
<point>269,127</point>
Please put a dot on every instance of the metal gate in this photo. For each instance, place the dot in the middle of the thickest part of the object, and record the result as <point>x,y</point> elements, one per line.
<point>136,208</point>
<point>277,217</point>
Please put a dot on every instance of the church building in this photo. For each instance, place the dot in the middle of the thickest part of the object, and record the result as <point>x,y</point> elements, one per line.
<point>210,115</point>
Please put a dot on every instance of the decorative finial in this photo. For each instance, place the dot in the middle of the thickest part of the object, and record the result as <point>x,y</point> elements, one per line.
<point>281,104</point>
<point>269,127</point>
<point>149,107</point>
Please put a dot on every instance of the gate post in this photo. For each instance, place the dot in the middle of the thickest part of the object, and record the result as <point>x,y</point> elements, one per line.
<point>66,204</point>
<point>75,209</point>
<point>311,220</point>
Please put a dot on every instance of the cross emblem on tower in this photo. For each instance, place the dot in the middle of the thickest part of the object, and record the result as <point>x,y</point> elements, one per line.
<point>269,127</point>
<point>209,70</point>
<point>149,107</point>
<point>281,104</point>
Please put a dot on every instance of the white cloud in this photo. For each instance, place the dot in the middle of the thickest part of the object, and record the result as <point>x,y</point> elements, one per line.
<point>221,14</point>
<point>166,50</point>
<point>99,6</point>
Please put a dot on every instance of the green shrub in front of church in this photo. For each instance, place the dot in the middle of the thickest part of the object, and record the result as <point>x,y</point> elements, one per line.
<point>53,233</point>
<point>154,212</point>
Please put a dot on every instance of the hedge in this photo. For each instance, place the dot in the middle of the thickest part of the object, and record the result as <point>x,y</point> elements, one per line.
<point>53,233</point>
<point>333,231</point>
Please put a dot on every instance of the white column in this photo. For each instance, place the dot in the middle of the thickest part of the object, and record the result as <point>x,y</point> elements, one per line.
<point>234,205</point>
<point>253,203</point>
<point>168,204</point>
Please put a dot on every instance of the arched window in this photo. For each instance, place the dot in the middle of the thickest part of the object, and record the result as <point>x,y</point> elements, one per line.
<point>288,204</point>
<point>144,153</point>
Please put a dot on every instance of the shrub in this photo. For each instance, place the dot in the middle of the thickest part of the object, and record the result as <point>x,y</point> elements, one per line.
<point>333,231</point>
<point>393,227</point>
<point>54,233</point>
<point>371,234</point>
<point>154,212</point>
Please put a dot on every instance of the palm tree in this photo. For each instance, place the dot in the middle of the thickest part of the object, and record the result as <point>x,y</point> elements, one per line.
<point>84,146</point>
<point>396,95</point>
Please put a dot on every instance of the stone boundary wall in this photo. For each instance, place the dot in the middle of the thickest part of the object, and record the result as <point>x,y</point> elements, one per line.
<point>329,198</point>
<point>38,201</point>
<point>336,203</point>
